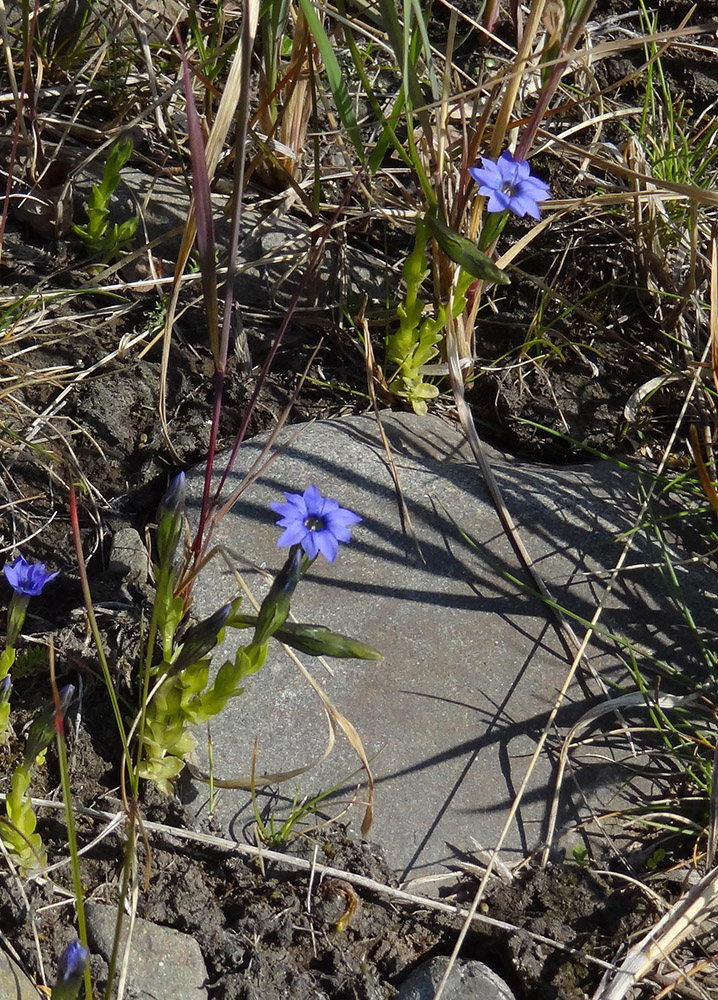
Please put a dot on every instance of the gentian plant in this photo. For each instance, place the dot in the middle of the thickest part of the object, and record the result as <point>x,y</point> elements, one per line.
<point>176,691</point>
<point>27,580</point>
<point>511,188</point>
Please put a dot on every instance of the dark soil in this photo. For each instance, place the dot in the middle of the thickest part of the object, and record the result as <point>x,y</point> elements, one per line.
<point>264,933</point>
<point>550,394</point>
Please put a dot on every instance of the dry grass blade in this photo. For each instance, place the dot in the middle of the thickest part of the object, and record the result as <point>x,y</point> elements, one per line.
<point>353,737</point>
<point>127,951</point>
<point>702,196</point>
<point>523,54</point>
<point>565,631</point>
<point>467,423</point>
<point>23,895</point>
<point>701,469</point>
<point>204,224</point>
<point>682,920</point>
<point>714,308</point>
<point>258,780</point>
<point>234,101</point>
<point>712,845</point>
<point>371,368</point>
<point>335,718</point>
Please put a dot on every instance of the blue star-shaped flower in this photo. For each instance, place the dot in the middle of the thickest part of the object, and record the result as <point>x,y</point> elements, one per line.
<point>509,184</point>
<point>27,579</point>
<point>315,522</point>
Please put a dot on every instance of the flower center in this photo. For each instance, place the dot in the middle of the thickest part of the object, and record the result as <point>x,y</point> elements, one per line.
<point>314,523</point>
<point>510,189</point>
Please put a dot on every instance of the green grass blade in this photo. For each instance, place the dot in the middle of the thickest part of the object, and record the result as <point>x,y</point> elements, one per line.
<point>334,76</point>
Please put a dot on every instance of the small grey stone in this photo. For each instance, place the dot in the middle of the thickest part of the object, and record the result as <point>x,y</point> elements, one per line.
<point>163,962</point>
<point>14,984</point>
<point>469,980</point>
<point>129,558</point>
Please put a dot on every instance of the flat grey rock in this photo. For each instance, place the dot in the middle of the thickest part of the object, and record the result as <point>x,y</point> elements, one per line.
<point>471,665</point>
<point>468,980</point>
<point>163,962</point>
<point>14,984</point>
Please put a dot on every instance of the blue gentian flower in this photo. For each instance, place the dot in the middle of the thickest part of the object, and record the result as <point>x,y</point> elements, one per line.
<point>315,522</point>
<point>509,184</point>
<point>70,970</point>
<point>27,579</point>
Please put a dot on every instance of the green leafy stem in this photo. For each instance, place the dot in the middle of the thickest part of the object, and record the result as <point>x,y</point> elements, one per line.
<point>103,239</point>
<point>416,341</point>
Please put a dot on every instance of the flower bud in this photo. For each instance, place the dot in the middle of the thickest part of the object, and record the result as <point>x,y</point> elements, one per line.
<point>199,640</point>
<point>315,640</point>
<point>70,971</point>
<point>170,519</point>
<point>42,730</point>
<point>275,606</point>
<point>5,689</point>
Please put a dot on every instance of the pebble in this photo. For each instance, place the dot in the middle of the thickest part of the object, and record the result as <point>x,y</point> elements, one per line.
<point>129,558</point>
<point>163,962</point>
<point>469,980</point>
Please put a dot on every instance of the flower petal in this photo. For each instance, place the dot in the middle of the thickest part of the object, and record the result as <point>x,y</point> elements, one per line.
<point>310,544</point>
<point>499,201</point>
<point>294,534</point>
<point>313,501</point>
<point>284,509</point>
<point>327,544</point>
<point>523,204</point>
<point>538,189</point>
<point>492,166</point>
<point>523,170</point>
<point>341,517</point>
<point>342,534</point>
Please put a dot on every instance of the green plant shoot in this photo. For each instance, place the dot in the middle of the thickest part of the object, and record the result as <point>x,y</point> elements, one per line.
<point>102,238</point>
<point>415,341</point>
<point>18,831</point>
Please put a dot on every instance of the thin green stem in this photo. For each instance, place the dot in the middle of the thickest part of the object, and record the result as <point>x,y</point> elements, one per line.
<point>87,597</point>
<point>69,819</point>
